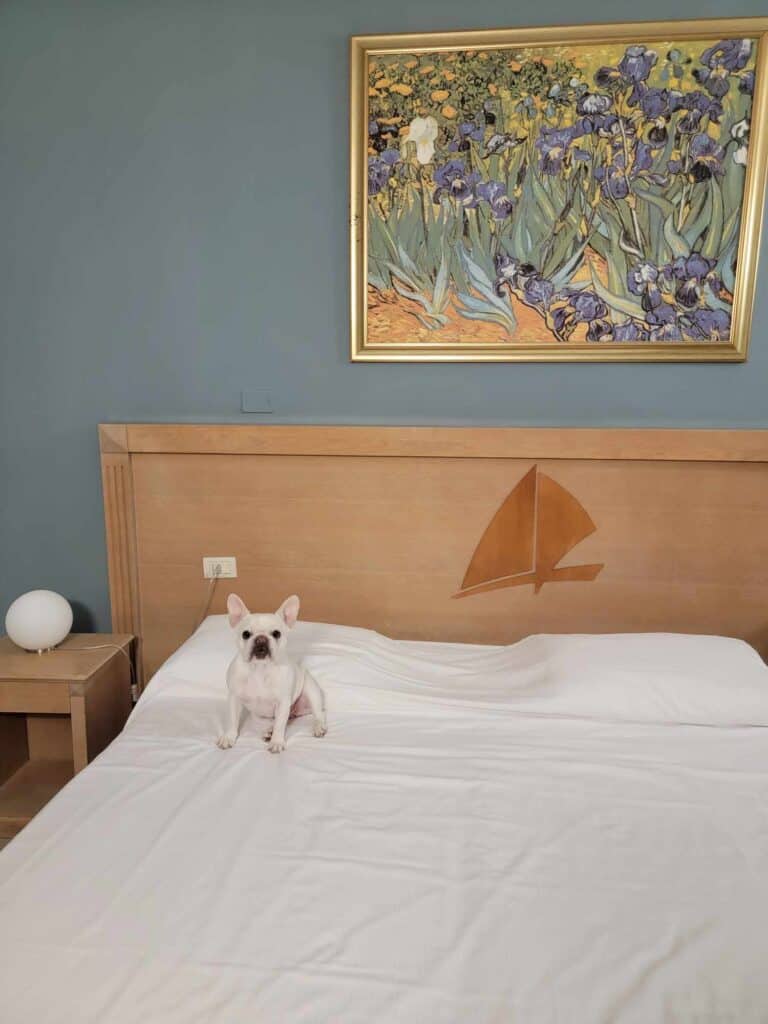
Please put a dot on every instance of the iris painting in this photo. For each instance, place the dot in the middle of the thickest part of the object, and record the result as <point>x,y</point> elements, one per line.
<point>554,196</point>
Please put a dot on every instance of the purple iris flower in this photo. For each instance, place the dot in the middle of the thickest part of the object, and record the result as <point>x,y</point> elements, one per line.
<point>637,62</point>
<point>643,157</point>
<point>586,305</point>
<point>574,306</point>
<point>612,180</point>
<point>380,170</point>
<point>640,276</point>
<point>715,82</point>
<point>731,54</point>
<point>561,321</point>
<point>709,324</point>
<point>699,102</point>
<point>629,331</point>
<point>471,130</point>
<point>657,103</point>
<point>534,289</point>
<point>706,158</point>
<point>600,330</point>
<point>467,131</point>
<point>591,123</point>
<point>609,77</point>
<point>658,134</point>
<point>698,105</point>
<point>594,103</point>
<point>506,271</point>
<point>665,332</point>
<point>688,274</point>
<point>453,179</point>
<point>661,315</point>
<point>537,290</point>
<point>695,265</point>
<point>654,102</point>
<point>553,145</point>
<point>642,280</point>
<point>373,128</point>
<point>494,193</point>
<point>747,83</point>
<point>689,122</point>
<point>662,320</point>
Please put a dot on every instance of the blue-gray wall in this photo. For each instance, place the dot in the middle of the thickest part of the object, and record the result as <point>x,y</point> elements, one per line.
<point>173,194</point>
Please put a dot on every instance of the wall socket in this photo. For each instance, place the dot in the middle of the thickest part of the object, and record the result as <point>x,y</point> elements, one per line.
<point>220,568</point>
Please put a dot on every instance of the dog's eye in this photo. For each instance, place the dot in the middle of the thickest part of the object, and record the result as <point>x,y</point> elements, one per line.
<point>276,634</point>
<point>246,634</point>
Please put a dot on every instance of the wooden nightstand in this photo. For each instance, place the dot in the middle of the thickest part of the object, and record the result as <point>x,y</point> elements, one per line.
<point>58,710</point>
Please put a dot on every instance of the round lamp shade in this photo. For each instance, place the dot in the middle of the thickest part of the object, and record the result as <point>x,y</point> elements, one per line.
<point>38,620</point>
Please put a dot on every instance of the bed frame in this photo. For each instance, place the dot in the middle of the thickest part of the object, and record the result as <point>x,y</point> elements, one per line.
<point>535,530</point>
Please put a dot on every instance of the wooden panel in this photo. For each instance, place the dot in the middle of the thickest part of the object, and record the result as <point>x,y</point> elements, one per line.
<point>28,790</point>
<point>439,442</point>
<point>385,542</point>
<point>376,526</point>
<point>119,517</point>
<point>75,658</point>
<point>113,437</point>
<point>49,737</point>
<point>13,744</point>
<point>100,709</point>
<point>42,698</point>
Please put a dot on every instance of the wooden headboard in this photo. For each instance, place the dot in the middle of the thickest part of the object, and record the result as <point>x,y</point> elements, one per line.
<point>481,535</point>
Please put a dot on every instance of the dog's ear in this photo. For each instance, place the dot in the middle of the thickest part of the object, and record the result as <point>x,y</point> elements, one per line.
<point>289,610</point>
<point>236,610</point>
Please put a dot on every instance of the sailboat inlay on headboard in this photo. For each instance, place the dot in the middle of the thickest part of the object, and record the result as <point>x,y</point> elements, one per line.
<point>537,524</point>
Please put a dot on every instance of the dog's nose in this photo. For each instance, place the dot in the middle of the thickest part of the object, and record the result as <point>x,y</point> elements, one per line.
<point>260,646</point>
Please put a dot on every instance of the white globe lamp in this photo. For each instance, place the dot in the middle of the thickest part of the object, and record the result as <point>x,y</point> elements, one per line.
<point>39,620</point>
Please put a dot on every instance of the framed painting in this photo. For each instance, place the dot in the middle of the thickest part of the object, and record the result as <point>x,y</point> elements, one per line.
<point>584,193</point>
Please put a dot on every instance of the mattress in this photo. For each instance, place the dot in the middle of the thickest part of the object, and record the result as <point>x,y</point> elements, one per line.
<point>473,842</point>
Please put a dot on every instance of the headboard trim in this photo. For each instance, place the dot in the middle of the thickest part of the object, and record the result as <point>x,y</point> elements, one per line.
<point>625,443</point>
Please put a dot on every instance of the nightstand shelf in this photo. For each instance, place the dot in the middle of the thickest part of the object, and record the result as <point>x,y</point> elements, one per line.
<point>28,790</point>
<point>57,712</point>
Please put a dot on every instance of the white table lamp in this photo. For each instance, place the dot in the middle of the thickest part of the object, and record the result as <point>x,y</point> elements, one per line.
<point>39,620</point>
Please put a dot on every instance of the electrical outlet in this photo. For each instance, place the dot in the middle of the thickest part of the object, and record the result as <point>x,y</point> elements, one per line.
<point>220,568</point>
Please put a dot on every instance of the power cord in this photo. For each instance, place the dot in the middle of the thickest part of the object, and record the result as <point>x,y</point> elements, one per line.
<point>116,647</point>
<point>208,596</point>
<point>103,647</point>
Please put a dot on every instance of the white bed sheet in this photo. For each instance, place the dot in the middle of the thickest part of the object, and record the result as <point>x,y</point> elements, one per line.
<point>434,860</point>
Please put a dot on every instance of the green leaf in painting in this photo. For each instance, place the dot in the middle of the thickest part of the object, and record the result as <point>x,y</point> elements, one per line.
<point>489,306</point>
<point>621,304</point>
<point>442,283</point>
<point>674,239</point>
<point>714,236</point>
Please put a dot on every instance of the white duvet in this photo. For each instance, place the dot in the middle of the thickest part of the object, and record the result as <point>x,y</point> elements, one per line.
<point>572,829</point>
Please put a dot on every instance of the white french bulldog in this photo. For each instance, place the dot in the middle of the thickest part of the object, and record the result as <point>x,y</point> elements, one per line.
<point>262,679</point>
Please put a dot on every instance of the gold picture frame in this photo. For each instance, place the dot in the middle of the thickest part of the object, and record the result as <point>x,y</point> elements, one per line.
<point>654,140</point>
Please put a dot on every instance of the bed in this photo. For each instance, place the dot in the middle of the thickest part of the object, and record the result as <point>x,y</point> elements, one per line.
<point>567,825</point>
<point>565,829</point>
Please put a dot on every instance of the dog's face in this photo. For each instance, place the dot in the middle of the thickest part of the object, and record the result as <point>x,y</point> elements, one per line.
<point>261,637</point>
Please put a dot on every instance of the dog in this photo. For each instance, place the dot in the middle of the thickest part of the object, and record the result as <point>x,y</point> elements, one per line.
<point>263,679</point>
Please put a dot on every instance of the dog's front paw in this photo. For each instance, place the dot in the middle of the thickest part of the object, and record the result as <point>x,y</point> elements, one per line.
<point>267,735</point>
<point>276,746</point>
<point>320,729</point>
<point>226,741</point>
